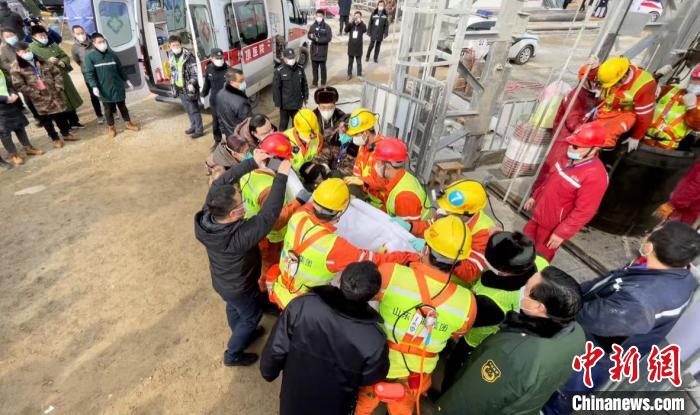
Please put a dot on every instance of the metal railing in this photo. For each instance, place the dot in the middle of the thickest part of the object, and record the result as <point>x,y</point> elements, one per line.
<point>506,121</point>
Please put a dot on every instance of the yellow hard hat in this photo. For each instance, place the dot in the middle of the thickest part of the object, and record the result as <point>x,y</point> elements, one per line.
<point>463,196</point>
<point>612,70</point>
<point>305,122</point>
<point>332,194</point>
<point>449,237</point>
<point>360,121</point>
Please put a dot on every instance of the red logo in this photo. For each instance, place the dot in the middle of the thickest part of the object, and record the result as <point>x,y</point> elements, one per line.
<point>665,364</point>
<point>587,361</point>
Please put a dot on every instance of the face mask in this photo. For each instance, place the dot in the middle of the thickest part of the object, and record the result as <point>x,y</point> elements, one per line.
<point>523,297</point>
<point>218,62</point>
<point>692,88</point>
<point>380,8</point>
<point>319,19</point>
<point>242,86</point>
<point>358,19</point>
<point>326,115</point>
<point>12,40</point>
<point>29,56</point>
<point>43,41</point>
<point>176,51</point>
<point>358,140</point>
<point>573,155</point>
<point>304,139</point>
<point>641,250</point>
<point>379,169</point>
<point>290,62</point>
<point>81,38</point>
<point>101,47</point>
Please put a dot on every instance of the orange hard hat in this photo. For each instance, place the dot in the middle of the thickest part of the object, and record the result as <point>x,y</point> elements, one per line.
<point>392,150</point>
<point>588,135</point>
<point>592,73</point>
<point>277,145</point>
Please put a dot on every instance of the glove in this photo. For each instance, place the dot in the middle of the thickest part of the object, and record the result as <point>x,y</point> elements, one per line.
<point>129,85</point>
<point>418,244</point>
<point>632,144</point>
<point>402,223</point>
<point>345,139</point>
<point>303,196</point>
<point>662,71</point>
<point>190,88</point>
<point>96,92</point>
<point>690,100</point>
<point>353,181</point>
<point>664,211</point>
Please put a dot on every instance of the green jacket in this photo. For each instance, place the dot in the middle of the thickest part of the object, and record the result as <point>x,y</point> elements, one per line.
<point>105,72</point>
<point>515,371</point>
<point>46,52</point>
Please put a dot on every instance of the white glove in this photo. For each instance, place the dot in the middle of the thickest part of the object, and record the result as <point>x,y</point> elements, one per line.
<point>632,144</point>
<point>129,85</point>
<point>190,88</point>
<point>664,70</point>
<point>96,92</point>
<point>690,100</point>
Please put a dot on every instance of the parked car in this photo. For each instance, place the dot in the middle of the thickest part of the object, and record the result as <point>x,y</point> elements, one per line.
<point>654,8</point>
<point>523,49</point>
<point>330,7</point>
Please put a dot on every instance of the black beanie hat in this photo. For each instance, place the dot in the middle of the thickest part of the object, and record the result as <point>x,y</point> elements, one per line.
<point>38,29</point>
<point>510,252</point>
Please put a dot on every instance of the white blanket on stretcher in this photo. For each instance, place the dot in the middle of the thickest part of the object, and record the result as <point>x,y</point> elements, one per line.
<point>364,225</point>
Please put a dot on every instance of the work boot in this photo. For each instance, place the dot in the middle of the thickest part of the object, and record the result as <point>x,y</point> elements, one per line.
<point>131,126</point>
<point>349,77</point>
<point>189,130</point>
<point>5,165</point>
<point>70,137</point>
<point>243,359</point>
<point>33,151</point>
<point>101,120</point>
<point>16,159</point>
<point>197,135</point>
<point>58,143</point>
<point>111,132</point>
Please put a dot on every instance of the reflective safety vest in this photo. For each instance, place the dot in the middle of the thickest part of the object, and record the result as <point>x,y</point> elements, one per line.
<point>482,223</point>
<point>4,90</point>
<point>668,127</point>
<point>304,259</point>
<point>179,65</point>
<point>408,183</point>
<point>622,97</point>
<point>504,299</point>
<point>253,185</point>
<point>541,263</point>
<point>301,152</point>
<point>364,167</point>
<point>406,330</point>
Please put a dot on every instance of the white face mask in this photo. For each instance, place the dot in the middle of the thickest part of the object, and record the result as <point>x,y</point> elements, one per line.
<point>176,51</point>
<point>379,169</point>
<point>101,46</point>
<point>694,89</point>
<point>218,62</point>
<point>380,8</point>
<point>81,38</point>
<point>358,140</point>
<point>319,19</point>
<point>326,115</point>
<point>522,297</point>
<point>290,62</point>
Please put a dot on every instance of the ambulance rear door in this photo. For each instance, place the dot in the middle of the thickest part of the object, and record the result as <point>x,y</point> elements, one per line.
<point>256,46</point>
<point>203,35</point>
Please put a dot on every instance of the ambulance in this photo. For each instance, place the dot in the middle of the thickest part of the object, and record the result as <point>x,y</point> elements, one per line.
<point>252,34</point>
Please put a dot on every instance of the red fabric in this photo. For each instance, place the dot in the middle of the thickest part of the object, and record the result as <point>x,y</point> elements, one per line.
<point>685,198</point>
<point>565,208</point>
<point>645,96</point>
<point>540,235</point>
<point>471,268</point>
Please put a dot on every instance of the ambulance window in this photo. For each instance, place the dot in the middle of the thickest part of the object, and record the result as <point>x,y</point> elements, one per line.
<point>203,30</point>
<point>252,26</point>
<point>176,16</point>
<point>233,41</point>
<point>293,12</point>
<point>114,20</point>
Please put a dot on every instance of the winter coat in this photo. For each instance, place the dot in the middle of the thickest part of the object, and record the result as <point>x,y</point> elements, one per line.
<point>189,75</point>
<point>214,81</point>
<point>289,87</point>
<point>11,115</point>
<point>569,196</point>
<point>378,25</point>
<point>326,347</point>
<point>105,72</point>
<point>49,51</point>
<point>8,56</point>
<point>220,156</point>
<point>355,44</point>
<point>635,306</point>
<point>79,51</point>
<point>12,20</point>
<point>515,370</point>
<point>232,107</point>
<point>320,35</point>
<point>232,248</point>
<point>344,7</point>
<point>685,198</point>
<point>331,144</point>
<point>54,37</point>
<point>50,100</point>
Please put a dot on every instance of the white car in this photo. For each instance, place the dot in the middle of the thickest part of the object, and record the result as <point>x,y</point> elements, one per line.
<point>523,49</point>
<point>654,8</point>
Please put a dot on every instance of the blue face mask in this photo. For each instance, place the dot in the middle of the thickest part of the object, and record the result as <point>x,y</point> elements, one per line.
<point>12,40</point>
<point>242,86</point>
<point>249,155</point>
<point>29,56</point>
<point>573,155</point>
<point>43,41</point>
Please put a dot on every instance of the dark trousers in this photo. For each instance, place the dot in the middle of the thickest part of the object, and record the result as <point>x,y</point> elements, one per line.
<point>243,315</point>
<point>95,102</point>
<point>6,138</point>
<point>343,20</point>
<point>192,109</point>
<point>317,66</point>
<point>111,108</point>
<point>215,126</point>
<point>376,45</point>
<point>285,116</point>
<point>32,109</point>
<point>72,117</point>
<point>61,120</point>
<point>357,59</point>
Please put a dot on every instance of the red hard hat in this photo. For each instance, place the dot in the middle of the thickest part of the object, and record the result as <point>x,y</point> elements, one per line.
<point>392,150</point>
<point>277,144</point>
<point>695,73</point>
<point>588,135</point>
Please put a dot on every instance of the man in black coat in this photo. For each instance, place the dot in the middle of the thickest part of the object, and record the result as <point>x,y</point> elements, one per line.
<point>328,344</point>
<point>356,29</point>
<point>378,30</point>
<point>290,91</point>
<point>214,81</point>
<point>320,35</point>
<point>232,105</point>
<point>344,7</point>
<point>232,246</point>
<point>11,20</point>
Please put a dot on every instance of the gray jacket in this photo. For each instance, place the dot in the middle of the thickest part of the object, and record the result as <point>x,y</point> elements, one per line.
<point>79,51</point>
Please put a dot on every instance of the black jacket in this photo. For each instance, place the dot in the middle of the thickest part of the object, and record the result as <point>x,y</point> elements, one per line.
<point>378,25</point>
<point>12,20</point>
<point>355,43</point>
<point>327,347</point>
<point>214,81</point>
<point>320,35</point>
<point>344,7</point>
<point>234,257</point>
<point>11,115</point>
<point>232,107</point>
<point>289,87</point>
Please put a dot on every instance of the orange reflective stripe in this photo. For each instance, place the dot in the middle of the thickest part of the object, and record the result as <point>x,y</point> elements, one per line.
<point>673,101</point>
<point>425,296</point>
<point>410,349</point>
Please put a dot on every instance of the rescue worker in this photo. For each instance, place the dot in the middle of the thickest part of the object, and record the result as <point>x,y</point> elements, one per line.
<point>676,114</point>
<point>405,197</point>
<point>215,81</point>
<point>684,203</point>
<point>571,193</point>
<point>361,128</point>
<point>312,253</point>
<point>306,138</point>
<point>183,77</point>
<point>628,100</point>
<point>422,309</point>
<point>290,91</point>
<point>338,151</point>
